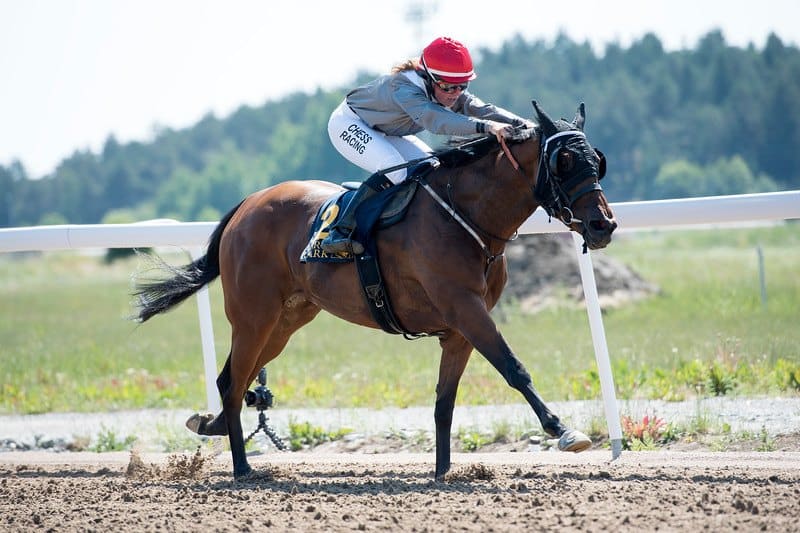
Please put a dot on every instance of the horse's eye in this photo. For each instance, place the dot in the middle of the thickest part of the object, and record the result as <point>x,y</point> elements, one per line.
<point>566,162</point>
<point>562,162</point>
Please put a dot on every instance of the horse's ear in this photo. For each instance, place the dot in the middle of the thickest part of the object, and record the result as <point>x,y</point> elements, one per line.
<point>580,117</point>
<point>545,122</point>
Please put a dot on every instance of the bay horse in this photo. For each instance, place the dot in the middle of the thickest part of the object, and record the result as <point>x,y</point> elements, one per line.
<point>443,267</point>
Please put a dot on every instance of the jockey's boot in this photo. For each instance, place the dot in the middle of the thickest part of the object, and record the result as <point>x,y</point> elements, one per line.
<point>340,236</point>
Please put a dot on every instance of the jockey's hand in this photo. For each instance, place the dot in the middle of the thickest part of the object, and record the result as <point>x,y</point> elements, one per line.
<point>499,129</point>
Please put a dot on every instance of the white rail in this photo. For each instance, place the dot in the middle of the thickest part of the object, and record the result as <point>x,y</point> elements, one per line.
<point>630,215</point>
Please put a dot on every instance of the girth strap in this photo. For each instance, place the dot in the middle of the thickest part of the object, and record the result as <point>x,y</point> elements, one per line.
<point>377,300</point>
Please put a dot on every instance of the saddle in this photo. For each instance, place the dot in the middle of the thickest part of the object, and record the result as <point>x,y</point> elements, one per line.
<point>381,211</point>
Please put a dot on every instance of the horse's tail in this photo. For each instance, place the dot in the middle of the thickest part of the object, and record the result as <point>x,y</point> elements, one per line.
<point>157,296</point>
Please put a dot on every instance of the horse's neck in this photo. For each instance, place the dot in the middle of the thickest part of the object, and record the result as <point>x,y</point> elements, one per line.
<point>492,194</point>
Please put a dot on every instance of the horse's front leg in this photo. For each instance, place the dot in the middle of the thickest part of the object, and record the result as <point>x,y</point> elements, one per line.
<point>455,354</point>
<point>479,329</point>
<point>515,374</point>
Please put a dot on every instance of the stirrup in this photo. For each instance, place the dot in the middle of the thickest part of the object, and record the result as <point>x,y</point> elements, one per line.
<point>342,246</point>
<point>336,242</point>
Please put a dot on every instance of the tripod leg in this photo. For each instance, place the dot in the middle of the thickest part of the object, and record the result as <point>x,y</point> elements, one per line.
<point>276,440</point>
<point>251,435</point>
<point>268,431</point>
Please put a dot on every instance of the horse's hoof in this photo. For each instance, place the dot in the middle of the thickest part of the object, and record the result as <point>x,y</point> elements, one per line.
<point>243,474</point>
<point>198,421</point>
<point>573,440</point>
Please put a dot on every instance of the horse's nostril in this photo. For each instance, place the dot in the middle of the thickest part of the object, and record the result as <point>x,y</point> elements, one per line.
<point>597,225</point>
<point>603,224</point>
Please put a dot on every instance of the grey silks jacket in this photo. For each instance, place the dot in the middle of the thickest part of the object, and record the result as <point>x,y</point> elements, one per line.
<point>399,104</point>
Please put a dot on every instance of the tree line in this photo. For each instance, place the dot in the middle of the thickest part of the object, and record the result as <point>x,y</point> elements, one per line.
<point>715,119</point>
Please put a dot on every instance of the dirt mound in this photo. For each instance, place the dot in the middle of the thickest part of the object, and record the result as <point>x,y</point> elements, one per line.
<point>543,270</point>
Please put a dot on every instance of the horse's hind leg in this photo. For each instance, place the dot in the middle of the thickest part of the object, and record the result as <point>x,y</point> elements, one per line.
<point>249,353</point>
<point>209,424</point>
<point>246,346</point>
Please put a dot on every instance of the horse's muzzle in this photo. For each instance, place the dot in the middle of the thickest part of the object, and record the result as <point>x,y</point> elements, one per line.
<point>597,232</point>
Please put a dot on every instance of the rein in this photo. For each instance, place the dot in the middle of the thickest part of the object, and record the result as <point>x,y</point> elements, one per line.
<point>509,155</point>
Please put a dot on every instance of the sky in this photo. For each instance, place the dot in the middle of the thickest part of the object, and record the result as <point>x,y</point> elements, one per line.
<point>73,72</point>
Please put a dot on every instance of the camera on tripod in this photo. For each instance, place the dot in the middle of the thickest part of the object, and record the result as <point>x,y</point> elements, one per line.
<point>261,397</point>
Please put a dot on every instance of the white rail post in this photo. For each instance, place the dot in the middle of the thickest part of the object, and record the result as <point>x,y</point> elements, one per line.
<point>207,341</point>
<point>600,347</point>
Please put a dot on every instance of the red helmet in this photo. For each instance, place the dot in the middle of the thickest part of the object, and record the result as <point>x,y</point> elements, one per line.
<point>448,60</point>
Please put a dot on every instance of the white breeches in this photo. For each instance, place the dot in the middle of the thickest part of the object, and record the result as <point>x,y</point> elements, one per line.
<point>370,149</point>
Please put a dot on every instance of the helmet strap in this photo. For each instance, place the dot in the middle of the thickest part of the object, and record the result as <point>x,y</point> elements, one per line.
<point>431,77</point>
<point>428,78</point>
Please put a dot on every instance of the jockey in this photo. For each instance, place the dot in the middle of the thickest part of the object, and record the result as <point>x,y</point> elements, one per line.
<point>375,126</point>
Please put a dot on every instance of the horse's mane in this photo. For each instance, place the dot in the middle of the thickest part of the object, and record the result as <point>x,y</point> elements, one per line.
<point>464,152</point>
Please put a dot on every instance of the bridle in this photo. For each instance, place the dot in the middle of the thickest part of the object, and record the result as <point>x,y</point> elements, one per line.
<point>550,190</point>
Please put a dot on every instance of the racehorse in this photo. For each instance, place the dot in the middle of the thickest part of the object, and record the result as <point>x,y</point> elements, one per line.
<point>442,264</point>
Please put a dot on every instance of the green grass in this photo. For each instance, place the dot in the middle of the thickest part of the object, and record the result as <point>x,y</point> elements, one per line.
<point>710,312</point>
<point>304,435</point>
<point>65,344</point>
<point>109,441</point>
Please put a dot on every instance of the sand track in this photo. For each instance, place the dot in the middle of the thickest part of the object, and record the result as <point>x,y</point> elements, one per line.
<point>543,491</point>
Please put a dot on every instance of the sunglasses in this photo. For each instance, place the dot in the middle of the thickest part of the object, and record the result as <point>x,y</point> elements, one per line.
<point>451,87</point>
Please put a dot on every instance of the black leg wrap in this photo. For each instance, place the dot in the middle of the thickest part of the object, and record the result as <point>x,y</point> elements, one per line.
<point>517,377</point>
<point>515,374</point>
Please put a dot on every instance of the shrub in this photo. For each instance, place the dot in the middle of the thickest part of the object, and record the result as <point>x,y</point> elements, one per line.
<point>642,434</point>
